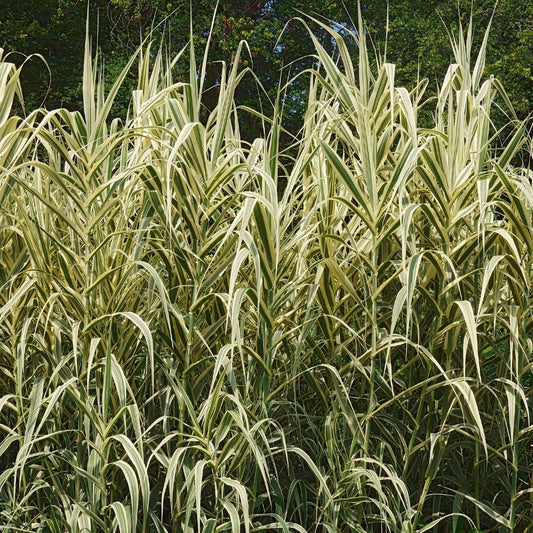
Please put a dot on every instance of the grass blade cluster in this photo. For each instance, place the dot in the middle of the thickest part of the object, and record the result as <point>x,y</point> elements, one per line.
<point>202,334</point>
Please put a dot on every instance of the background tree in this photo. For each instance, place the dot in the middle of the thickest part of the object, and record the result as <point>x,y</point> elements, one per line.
<point>56,31</point>
<point>415,36</point>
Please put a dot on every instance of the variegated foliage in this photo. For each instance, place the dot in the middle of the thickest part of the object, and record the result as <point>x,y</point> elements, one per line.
<point>184,348</point>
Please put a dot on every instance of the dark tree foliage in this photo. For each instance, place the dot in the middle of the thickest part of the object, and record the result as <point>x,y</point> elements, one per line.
<point>413,33</point>
<point>55,30</point>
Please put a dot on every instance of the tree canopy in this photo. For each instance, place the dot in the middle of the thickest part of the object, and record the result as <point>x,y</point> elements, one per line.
<point>414,34</point>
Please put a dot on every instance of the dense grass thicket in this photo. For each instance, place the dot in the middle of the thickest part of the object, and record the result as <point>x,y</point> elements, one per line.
<point>202,335</point>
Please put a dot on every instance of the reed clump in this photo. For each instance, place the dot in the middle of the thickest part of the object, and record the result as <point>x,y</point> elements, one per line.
<point>184,348</point>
